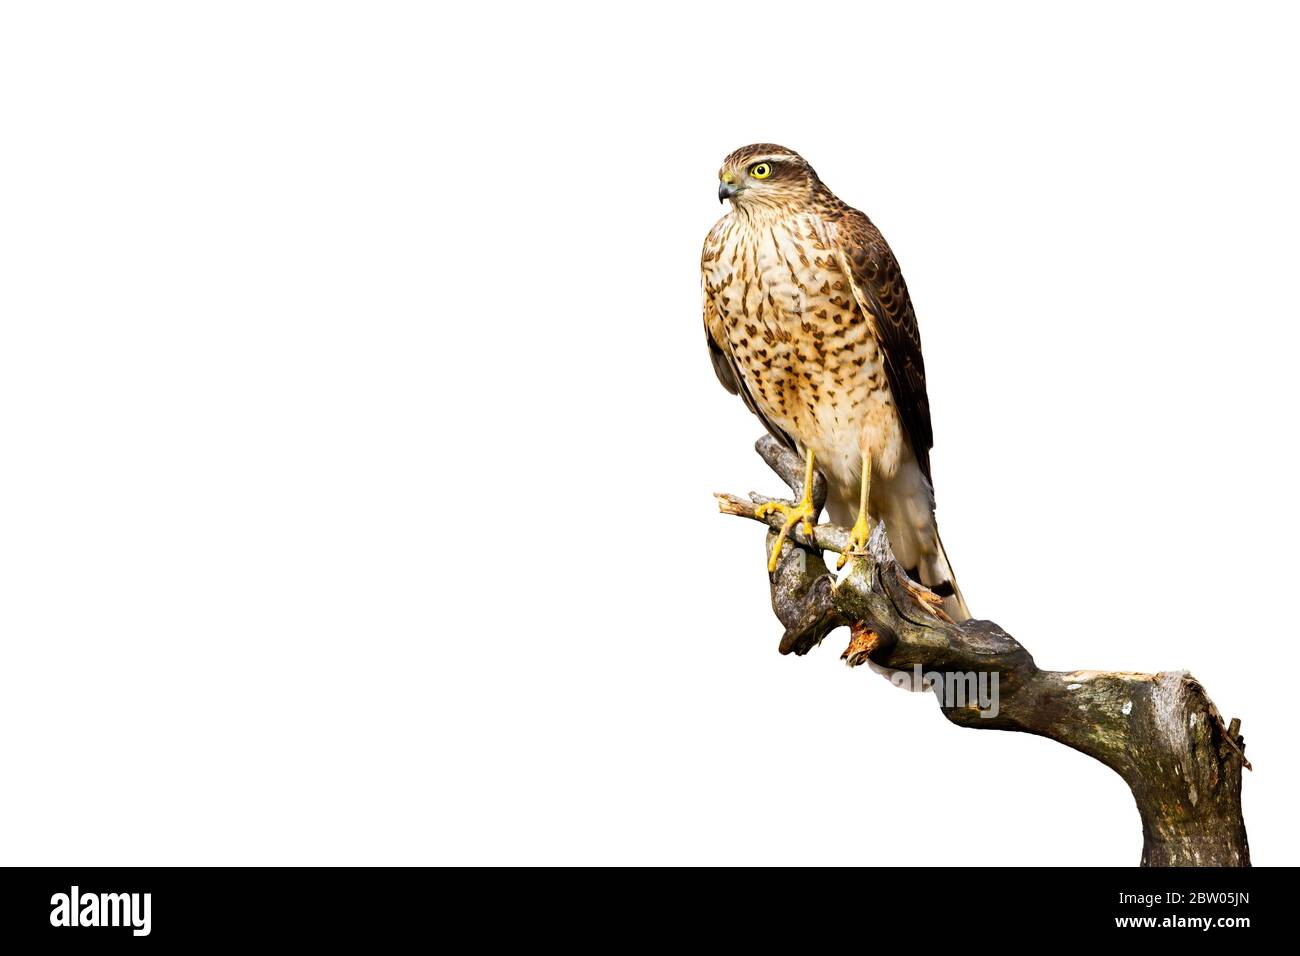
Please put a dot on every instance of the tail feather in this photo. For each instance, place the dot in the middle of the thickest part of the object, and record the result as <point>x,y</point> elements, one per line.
<point>906,504</point>
<point>930,565</point>
<point>946,583</point>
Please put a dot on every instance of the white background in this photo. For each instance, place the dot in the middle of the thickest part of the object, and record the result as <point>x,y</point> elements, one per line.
<point>358,433</point>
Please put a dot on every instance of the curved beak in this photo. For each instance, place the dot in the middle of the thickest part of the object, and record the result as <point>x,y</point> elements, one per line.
<point>728,187</point>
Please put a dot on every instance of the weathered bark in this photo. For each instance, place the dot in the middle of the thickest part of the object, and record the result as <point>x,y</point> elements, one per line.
<point>1160,732</point>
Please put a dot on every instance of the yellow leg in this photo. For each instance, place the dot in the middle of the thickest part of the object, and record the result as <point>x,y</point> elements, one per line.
<point>794,514</point>
<point>861,531</point>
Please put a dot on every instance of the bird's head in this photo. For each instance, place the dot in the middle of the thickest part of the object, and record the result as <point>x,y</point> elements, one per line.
<point>765,175</point>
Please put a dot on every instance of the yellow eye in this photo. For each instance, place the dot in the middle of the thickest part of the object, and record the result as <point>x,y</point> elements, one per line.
<point>761,170</point>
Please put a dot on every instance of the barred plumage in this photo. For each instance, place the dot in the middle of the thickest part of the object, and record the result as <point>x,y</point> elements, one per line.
<point>808,319</point>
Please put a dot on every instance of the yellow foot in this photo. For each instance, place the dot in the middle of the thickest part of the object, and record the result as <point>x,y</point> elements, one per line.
<point>859,535</point>
<point>794,514</point>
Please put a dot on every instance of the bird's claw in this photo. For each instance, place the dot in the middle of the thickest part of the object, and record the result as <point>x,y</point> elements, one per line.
<point>801,514</point>
<point>859,535</point>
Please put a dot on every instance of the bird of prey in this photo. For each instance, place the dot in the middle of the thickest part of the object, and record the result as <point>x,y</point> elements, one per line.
<point>808,320</point>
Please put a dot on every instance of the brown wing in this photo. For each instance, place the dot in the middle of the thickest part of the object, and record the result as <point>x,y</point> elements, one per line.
<point>881,293</point>
<point>719,355</point>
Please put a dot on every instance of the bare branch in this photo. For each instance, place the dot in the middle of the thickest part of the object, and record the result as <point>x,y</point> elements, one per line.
<point>1160,732</point>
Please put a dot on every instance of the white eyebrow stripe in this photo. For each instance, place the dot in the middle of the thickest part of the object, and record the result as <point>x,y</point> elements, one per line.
<point>775,158</point>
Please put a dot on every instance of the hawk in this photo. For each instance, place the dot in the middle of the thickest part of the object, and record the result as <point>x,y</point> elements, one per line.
<point>808,320</point>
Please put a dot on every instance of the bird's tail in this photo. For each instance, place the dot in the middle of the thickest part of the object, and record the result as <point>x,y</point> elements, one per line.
<point>926,562</point>
<point>945,582</point>
<point>908,513</point>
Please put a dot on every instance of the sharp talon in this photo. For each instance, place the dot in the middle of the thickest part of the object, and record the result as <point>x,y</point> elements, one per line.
<point>795,515</point>
<point>859,535</point>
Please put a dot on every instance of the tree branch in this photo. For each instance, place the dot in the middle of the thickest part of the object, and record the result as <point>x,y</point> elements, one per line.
<point>1160,732</point>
